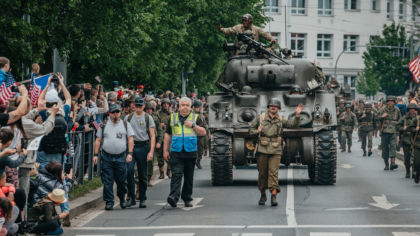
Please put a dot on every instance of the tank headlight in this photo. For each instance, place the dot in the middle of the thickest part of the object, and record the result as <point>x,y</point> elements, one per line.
<point>250,145</point>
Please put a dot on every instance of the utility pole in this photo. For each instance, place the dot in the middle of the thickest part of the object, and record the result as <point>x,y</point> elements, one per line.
<point>26,18</point>
<point>287,13</point>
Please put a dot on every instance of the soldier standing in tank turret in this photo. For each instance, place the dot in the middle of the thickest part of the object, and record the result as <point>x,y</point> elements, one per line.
<point>340,110</point>
<point>269,129</point>
<point>389,116</point>
<point>333,85</point>
<point>367,124</point>
<point>348,123</point>
<point>407,127</point>
<point>247,24</point>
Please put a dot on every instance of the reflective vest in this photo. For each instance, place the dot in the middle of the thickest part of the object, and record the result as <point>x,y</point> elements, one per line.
<point>183,137</point>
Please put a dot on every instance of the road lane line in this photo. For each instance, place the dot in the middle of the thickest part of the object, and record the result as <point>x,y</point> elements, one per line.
<point>406,233</point>
<point>329,234</point>
<point>176,234</point>
<point>254,234</point>
<point>290,200</point>
<point>347,209</point>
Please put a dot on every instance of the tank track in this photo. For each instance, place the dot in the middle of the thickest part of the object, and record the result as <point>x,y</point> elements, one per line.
<point>221,159</point>
<point>325,159</point>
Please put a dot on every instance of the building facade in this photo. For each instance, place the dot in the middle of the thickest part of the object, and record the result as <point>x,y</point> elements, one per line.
<point>326,30</point>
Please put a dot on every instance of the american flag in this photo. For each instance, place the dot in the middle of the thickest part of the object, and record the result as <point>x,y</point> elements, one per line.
<point>37,85</point>
<point>6,88</point>
<point>414,67</point>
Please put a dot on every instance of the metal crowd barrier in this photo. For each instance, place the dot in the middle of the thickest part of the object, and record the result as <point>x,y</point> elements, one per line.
<point>82,160</point>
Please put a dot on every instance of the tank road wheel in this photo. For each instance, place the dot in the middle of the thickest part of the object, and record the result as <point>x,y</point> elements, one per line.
<point>221,159</point>
<point>325,159</point>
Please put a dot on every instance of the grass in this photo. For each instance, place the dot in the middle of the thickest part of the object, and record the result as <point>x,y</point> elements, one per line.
<point>87,186</point>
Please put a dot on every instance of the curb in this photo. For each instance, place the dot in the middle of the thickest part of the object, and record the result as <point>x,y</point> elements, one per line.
<point>94,199</point>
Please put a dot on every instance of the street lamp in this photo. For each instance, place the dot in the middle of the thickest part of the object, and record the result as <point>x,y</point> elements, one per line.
<point>184,78</point>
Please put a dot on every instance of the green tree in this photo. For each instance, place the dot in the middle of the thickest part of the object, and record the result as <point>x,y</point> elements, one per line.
<point>386,64</point>
<point>367,83</point>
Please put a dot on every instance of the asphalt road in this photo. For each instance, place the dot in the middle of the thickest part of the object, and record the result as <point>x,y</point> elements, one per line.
<point>365,201</point>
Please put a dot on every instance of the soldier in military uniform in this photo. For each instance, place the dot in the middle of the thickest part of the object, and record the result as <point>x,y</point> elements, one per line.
<point>149,109</point>
<point>333,84</point>
<point>360,109</point>
<point>198,105</point>
<point>269,128</point>
<point>340,110</point>
<point>348,123</point>
<point>367,124</point>
<point>389,117</point>
<point>131,107</point>
<point>164,115</point>
<point>416,151</point>
<point>247,24</point>
<point>407,127</point>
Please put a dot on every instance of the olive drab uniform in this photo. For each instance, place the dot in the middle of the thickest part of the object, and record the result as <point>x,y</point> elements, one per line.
<point>164,117</point>
<point>416,152</point>
<point>270,148</point>
<point>407,127</point>
<point>389,133</point>
<point>340,111</point>
<point>240,28</point>
<point>159,139</point>
<point>201,140</point>
<point>367,124</point>
<point>348,121</point>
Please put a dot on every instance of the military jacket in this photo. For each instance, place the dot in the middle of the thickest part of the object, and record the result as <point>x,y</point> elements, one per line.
<point>270,139</point>
<point>332,85</point>
<point>417,137</point>
<point>389,123</point>
<point>407,135</point>
<point>164,116</point>
<point>367,122</point>
<point>257,31</point>
<point>340,111</point>
<point>202,118</point>
<point>348,121</point>
<point>158,128</point>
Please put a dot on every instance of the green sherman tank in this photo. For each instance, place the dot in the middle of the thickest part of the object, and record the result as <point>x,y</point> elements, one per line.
<point>249,80</point>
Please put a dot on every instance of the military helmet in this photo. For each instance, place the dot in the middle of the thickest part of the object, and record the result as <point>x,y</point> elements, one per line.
<point>412,106</point>
<point>361,101</point>
<point>274,102</point>
<point>391,98</point>
<point>296,89</point>
<point>166,100</point>
<point>368,105</point>
<point>139,101</point>
<point>149,105</point>
<point>248,17</point>
<point>132,98</point>
<point>348,105</point>
<point>197,103</point>
<point>342,101</point>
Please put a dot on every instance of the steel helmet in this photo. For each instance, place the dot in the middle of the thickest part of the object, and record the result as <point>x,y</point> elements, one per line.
<point>274,102</point>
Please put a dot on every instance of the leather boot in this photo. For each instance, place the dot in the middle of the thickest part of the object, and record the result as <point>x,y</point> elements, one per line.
<point>364,153</point>
<point>417,177</point>
<point>162,173</point>
<point>149,181</point>
<point>273,198</point>
<point>169,172</point>
<point>137,192</point>
<point>386,164</point>
<point>407,173</point>
<point>263,199</point>
<point>348,150</point>
<point>393,165</point>
<point>370,152</point>
<point>198,164</point>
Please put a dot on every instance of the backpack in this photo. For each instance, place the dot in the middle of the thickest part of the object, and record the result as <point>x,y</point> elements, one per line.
<point>55,141</point>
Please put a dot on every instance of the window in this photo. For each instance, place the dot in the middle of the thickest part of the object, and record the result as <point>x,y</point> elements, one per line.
<point>324,45</point>
<point>350,80</point>
<point>297,44</point>
<point>350,4</point>
<point>350,42</point>
<point>374,5</point>
<point>388,9</point>
<point>276,36</point>
<point>413,12</point>
<point>298,7</point>
<point>324,8</point>
<point>327,78</point>
<point>401,11</point>
<point>272,6</point>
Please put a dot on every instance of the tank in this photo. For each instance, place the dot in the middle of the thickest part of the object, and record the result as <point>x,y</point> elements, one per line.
<point>249,80</point>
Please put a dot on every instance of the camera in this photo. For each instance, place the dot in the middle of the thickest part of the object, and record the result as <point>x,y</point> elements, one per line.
<point>54,79</point>
<point>24,143</point>
<point>68,167</point>
<point>15,89</point>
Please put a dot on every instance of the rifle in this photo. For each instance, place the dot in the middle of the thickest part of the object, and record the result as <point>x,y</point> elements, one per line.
<point>259,47</point>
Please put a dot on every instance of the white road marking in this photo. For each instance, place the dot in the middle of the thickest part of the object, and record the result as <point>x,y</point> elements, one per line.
<point>329,234</point>
<point>181,206</point>
<point>406,233</point>
<point>290,200</point>
<point>95,235</point>
<point>176,234</point>
<point>382,202</point>
<point>348,209</point>
<point>346,166</point>
<point>252,234</point>
<point>248,227</point>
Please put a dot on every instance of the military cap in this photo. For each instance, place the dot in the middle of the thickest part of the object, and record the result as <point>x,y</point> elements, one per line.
<point>391,98</point>
<point>197,103</point>
<point>114,108</point>
<point>149,105</point>
<point>412,106</point>
<point>274,102</point>
<point>139,101</point>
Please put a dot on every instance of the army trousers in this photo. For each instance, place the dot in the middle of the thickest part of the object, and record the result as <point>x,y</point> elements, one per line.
<point>339,132</point>
<point>346,137</point>
<point>389,145</point>
<point>407,155</point>
<point>416,161</point>
<point>268,171</point>
<point>159,156</point>
<point>366,136</point>
<point>200,147</point>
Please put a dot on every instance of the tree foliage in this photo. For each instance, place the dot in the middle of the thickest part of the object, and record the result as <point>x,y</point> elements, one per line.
<point>386,65</point>
<point>367,82</point>
<point>146,42</point>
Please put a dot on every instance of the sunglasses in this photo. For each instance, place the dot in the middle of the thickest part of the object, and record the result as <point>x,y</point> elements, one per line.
<point>113,112</point>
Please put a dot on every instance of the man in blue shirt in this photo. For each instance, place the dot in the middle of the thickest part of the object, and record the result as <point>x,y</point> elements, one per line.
<point>4,68</point>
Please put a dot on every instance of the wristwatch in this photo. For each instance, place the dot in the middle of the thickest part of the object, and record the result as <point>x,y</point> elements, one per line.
<point>130,153</point>
<point>193,125</point>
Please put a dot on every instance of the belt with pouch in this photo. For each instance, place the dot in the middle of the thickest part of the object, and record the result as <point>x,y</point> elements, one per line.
<point>113,155</point>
